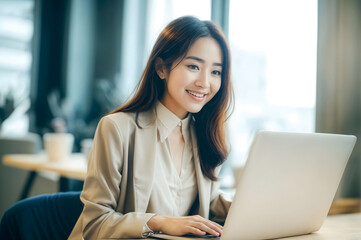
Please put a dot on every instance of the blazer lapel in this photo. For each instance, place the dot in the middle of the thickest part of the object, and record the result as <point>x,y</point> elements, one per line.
<point>144,159</point>
<point>204,184</point>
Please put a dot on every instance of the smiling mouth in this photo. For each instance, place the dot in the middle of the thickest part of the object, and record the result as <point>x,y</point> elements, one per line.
<point>198,95</point>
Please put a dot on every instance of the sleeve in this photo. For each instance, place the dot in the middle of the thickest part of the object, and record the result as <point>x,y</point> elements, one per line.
<point>147,232</point>
<point>220,204</point>
<point>102,188</point>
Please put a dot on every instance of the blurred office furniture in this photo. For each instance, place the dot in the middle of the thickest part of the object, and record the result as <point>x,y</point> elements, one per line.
<point>11,179</point>
<point>75,167</point>
<point>49,216</point>
<point>345,205</point>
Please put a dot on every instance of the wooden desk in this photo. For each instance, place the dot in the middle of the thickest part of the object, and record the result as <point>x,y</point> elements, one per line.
<point>336,227</point>
<point>74,167</point>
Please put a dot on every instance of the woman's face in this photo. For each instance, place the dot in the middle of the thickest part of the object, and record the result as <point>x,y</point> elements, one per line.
<point>195,80</point>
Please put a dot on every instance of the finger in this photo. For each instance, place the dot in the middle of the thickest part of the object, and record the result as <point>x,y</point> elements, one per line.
<point>213,225</point>
<point>202,219</point>
<point>196,231</point>
<point>205,228</point>
<point>216,226</point>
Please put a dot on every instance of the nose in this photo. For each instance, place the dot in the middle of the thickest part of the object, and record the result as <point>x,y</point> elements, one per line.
<point>203,80</point>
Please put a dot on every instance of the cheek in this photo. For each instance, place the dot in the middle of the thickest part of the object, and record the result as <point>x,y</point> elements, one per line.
<point>216,86</point>
<point>175,81</point>
<point>173,85</point>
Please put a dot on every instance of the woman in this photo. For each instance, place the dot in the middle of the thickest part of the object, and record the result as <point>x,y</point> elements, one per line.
<point>154,162</point>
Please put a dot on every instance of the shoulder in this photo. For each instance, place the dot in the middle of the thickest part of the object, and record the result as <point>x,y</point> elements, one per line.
<point>118,119</point>
<point>127,121</point>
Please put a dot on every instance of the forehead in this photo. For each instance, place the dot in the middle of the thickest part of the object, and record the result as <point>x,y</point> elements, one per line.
<point>206,48</point>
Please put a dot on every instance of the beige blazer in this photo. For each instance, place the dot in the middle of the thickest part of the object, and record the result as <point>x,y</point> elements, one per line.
<point>119,180</point>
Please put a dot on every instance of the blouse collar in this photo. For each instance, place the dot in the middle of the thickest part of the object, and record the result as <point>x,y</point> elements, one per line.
<point>168,121</point>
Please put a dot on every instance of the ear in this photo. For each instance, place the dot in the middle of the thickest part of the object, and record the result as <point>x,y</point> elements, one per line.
<point>159,67</point>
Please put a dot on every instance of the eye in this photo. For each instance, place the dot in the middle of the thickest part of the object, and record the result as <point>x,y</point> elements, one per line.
<point>193,67</point>
<point>216,72</point>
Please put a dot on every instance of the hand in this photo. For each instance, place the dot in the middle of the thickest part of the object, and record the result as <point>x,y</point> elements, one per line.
<point>184,225</point>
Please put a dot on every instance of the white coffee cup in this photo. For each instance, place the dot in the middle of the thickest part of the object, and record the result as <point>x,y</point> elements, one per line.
<point>58,146</point>
<point>86,145</point>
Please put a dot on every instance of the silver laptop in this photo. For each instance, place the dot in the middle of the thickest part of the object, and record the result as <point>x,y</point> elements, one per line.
<point>287,185</point>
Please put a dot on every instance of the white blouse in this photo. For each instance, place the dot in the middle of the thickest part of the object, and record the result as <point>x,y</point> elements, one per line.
<point>172,194</point>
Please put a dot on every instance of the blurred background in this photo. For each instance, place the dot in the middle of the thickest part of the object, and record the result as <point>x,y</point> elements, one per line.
<point>64,64</point>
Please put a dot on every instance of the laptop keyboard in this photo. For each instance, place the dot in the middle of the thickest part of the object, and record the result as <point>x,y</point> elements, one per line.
<point>207,236</point>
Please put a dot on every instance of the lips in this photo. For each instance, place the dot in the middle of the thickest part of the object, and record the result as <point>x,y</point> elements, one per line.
<point>196,94</point>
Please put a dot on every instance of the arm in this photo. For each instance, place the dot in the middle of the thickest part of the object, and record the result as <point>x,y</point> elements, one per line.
<point>102,189</point>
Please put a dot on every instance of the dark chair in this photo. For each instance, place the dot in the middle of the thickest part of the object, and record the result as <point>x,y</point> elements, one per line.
<point>49,216</point>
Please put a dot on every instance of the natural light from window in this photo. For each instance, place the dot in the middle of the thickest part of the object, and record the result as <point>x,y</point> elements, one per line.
<point>16,33</point>
<point>161,12</point>
<point>273,46</point>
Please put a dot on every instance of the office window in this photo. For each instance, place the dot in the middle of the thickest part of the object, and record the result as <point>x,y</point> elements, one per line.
<point>273,46</point>
<point>16,32</point>
<point>161,12</point>
<point>142,25</point>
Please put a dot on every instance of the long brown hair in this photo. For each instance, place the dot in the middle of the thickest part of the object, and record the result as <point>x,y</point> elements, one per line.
<point>172,45</point>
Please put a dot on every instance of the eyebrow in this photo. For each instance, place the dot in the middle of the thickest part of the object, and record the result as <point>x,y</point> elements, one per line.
<point>202,61</point>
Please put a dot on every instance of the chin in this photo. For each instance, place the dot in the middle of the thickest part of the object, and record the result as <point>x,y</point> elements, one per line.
<point>195,109</point>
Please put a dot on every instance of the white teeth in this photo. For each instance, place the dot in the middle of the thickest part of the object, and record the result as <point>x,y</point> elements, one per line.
<point>196,94</point>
